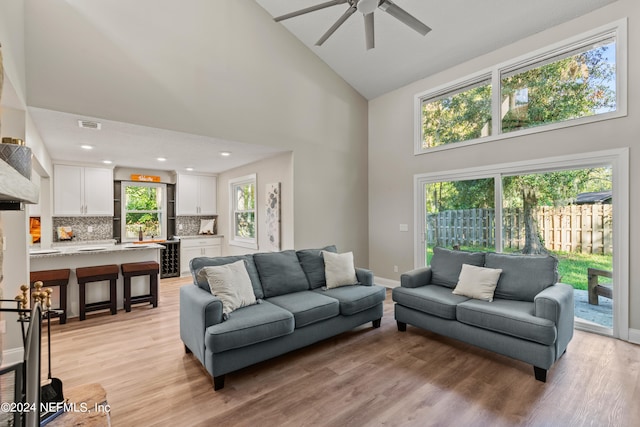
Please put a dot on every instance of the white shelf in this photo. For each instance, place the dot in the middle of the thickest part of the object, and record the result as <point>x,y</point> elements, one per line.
<point>15,187</point>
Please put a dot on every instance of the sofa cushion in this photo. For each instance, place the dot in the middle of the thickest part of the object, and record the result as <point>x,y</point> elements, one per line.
<point>431,299</point>
<point>313,265</point>
<point>523,276</point>
<point>249,325</point>
<point>231,284</point>
<point>201,279</point>
<point>446,265</point>
<point>356,298</point>
<point>477,282</point>
<point>307,307</point>
<point>508,317</point>
<point>339,269</point>
<point>280,273</point>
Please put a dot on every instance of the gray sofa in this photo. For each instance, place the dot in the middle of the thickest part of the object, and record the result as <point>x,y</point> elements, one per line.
<point>293,311</point>
<point>529,319</point>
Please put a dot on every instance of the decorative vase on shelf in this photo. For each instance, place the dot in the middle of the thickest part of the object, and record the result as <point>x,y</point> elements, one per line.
<point>16,154</point>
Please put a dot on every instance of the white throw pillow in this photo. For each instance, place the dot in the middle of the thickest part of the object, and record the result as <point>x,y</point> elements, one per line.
<point>477,282</point>
<point>231,284</point>
<point>339,269</point>
<point>206,226</point>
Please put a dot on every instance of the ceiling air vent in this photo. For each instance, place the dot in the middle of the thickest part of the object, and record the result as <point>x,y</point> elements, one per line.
<point>88,124</point>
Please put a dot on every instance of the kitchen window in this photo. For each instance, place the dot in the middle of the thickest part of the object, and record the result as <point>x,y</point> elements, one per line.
<point>243,213</point>
<point>143,211</point>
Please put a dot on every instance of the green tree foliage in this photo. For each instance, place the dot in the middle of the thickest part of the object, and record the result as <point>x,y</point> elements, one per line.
<point>578,86</point>
<point>245,211</point>
<point>460,117</point>
<point>142,205</point>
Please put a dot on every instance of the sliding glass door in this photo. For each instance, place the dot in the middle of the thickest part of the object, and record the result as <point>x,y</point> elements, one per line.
<point>564,208</point>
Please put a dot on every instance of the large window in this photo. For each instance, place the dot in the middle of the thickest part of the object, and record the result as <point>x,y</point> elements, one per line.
<point>578,81</point>
<point>243,212</point>
<point>143,210</point>
<point>458,115</point>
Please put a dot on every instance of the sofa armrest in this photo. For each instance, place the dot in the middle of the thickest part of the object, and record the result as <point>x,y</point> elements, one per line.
<point>416,278</point>
<point>199,309</point>
<point>555,303</point>
<point>365,277</point>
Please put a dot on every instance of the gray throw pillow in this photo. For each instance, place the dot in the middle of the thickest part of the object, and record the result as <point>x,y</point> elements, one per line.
<point>446,265</point>
<point>523,276</point>
<point>312,263</point>
<point>280,273</point>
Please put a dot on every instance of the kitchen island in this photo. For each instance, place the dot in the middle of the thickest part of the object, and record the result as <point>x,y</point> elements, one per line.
<point>87,255</point>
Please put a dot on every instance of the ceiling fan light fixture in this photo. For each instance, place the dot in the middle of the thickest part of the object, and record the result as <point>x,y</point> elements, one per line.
<point>367,6</point>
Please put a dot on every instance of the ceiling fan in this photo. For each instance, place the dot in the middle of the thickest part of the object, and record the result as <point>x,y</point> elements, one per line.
<point>366,7</point>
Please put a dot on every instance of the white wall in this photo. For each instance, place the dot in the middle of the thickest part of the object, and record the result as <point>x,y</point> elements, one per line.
<point>392,164</point>
<point>16,122</point>
<point>269,171</point>
<point>222,69</point>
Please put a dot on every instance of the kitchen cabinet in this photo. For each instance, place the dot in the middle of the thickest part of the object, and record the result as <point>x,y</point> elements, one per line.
<point>198,247</point>
<point>82,191</point>
<point>196,195</point>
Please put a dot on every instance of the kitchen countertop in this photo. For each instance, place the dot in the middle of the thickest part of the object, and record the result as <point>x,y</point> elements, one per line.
<point>89,249</point>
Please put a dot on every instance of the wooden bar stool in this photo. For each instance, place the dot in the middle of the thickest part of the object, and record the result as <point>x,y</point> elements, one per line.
<point>97,274</point>
<point>147,268</point>
<point>51,278</point>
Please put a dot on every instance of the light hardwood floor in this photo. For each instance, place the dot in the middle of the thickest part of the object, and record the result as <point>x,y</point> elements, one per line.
<point>365,377</point>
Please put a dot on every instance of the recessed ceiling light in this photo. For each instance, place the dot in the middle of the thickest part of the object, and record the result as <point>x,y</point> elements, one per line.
<point>107,162</point>
<point>225,153</point>
<point>161,159</point>
<point>86,147</point>
<point>190,169</point>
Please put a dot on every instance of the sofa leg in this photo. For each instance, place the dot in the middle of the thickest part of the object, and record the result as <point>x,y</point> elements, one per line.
<point>376,323</point>
<point>218,382</point>
<point>541,374</point>
<point>186,349</point>
<point>402,326</point>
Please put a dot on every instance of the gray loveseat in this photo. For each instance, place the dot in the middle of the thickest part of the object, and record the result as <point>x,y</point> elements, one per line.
<point>529,319</point>
<point>294,310</point>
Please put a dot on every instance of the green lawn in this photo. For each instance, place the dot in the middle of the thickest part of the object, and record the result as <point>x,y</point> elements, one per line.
<point>572,267</point>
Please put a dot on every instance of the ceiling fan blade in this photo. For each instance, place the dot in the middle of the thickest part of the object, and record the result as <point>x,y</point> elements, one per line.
<point>309,9</point>
<point>369,31</point>
<point>404,16</point>
<point>335,26</point>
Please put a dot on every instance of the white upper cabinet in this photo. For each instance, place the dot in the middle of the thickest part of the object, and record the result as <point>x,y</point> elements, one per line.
<point>196,195</point>
<point>81,191</point>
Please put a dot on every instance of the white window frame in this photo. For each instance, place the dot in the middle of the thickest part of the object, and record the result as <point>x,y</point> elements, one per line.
<point>123,209</point>
<point>617,29</point>
<point>249,243</point>
<point>617,158</point>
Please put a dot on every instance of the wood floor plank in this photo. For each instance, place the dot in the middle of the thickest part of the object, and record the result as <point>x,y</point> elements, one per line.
<point>365,377</point>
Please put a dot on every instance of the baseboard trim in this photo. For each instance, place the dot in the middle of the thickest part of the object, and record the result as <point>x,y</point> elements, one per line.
<point>634,336</point>
<point>13,355</point>
<point>387,283</point>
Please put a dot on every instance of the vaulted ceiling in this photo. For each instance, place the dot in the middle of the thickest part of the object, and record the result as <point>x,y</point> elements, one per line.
<point>461,30</point>
<point>121,62</point>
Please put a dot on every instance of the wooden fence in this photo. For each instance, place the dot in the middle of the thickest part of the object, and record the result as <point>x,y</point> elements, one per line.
<point>574,228</point>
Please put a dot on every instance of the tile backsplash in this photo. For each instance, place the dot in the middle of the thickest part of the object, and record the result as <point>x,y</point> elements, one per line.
<point>191,225</point>
<point>102,227</point>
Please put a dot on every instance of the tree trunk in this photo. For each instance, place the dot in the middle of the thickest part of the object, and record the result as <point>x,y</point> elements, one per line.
<point>532,244</point>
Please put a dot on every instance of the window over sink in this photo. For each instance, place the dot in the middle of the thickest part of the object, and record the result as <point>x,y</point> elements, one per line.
<point>144,210</point>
